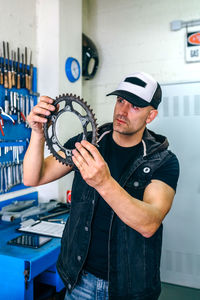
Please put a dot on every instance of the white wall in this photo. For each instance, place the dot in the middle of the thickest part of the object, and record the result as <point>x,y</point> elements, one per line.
<point>17,24</point>
<point>134,35</point>
<point>47,35</point>
<point>70,45</point>
<point>59,30</point>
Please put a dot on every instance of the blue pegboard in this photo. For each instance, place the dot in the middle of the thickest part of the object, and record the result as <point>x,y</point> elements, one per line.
<point>14,142</point>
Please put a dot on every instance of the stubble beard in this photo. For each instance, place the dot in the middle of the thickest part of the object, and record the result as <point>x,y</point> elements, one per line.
<point>126,131</point>
<point>123,131</point>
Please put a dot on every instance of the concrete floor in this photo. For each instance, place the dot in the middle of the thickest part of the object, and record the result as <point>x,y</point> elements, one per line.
<point>175,292</point>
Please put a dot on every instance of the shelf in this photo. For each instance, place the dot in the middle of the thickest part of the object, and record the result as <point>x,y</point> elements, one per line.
<point>14,143</point>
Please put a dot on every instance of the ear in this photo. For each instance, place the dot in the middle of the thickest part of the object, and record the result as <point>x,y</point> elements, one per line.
<point>152,114</point>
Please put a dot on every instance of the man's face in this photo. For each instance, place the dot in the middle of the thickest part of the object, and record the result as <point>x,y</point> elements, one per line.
<point>129,119</point>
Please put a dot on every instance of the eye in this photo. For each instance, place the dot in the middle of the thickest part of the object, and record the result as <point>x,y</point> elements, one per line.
<point>120,100</point>
<point>135,107</point>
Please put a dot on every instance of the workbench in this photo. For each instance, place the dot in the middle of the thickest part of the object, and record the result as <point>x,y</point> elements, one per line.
<point>20,266</point>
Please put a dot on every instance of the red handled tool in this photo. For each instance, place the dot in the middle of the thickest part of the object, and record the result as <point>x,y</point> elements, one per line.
<point>23,116</point>
<point>1,125</point>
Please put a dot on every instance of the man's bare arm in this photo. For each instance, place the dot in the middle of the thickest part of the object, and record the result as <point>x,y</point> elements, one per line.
<point>144,216</point>
<point>36,169</point>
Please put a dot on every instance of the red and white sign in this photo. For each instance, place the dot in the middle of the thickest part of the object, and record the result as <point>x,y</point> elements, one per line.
<point>193,46</point>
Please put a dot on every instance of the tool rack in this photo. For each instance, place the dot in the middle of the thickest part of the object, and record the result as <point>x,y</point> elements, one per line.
<point>14,135</point>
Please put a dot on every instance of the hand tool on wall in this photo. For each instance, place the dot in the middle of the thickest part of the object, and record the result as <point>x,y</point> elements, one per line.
<point>18,68</point>
<point>30,74</point>
<point>11,102</point>
<point>1,125</point>
<point>22,104</point>
<point>23,116</point>
<point>15,69</point>
<point>31,103</point>
<point>9,178</point>
<point>6,103</point>
<point>23,79</point>
<point>1,190</point>
<point>26,69</point>
<point>6,115</point>
<point>5,72</point>
<point>9,68</point>
<point>1,69</point>
<point>18,109</point>
<point>22,108</point>
<point>12,68</point>
<point>15,94</point>
<point>20,114</point>
<point>5,178</point>
<point>27,102</point>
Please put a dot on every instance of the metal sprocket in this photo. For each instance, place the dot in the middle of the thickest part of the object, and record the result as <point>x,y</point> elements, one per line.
<point>50,126</point>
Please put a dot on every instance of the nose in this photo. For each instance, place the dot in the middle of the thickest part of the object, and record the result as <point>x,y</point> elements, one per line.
<point>125,108</point>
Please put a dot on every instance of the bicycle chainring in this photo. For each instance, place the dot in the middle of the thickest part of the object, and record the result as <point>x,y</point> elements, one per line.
<point>86,118</point>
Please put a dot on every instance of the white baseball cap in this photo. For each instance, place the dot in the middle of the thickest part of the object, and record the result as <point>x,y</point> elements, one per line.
<point>140,89</point>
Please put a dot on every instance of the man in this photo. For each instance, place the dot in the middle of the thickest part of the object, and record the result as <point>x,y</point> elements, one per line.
<point>111,245</point>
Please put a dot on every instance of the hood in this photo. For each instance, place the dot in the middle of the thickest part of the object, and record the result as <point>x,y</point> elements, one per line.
<point>152,142</point>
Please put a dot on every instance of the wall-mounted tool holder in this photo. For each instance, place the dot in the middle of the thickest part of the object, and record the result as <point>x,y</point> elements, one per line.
<point>18,95</point>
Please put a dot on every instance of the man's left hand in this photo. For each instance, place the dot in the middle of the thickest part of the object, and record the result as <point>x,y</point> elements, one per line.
<point>91,164</point>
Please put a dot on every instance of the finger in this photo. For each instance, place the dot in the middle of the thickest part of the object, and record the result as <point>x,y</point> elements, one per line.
<point>79,157</point>
<point>46,99</point>
<point>84,152</point>
<point>47,106</point>
<point>40,111</point>
<point>91,149</point>
<point>77,161</point>
<point>36,119</point>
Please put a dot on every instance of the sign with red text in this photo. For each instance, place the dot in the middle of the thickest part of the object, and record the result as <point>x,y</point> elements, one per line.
<point>193,46</point>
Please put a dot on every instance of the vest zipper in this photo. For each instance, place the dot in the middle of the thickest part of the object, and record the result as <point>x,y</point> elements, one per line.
<point>111,221</point>
<point>88,243</point>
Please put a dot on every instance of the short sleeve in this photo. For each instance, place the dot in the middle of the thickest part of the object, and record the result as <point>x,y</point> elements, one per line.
<point>168,172</point>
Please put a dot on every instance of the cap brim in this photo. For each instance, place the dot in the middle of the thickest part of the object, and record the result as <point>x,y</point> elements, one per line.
<point>133,99</point>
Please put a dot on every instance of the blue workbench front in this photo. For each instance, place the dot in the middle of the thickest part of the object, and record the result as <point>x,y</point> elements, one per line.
<point>19,266</point>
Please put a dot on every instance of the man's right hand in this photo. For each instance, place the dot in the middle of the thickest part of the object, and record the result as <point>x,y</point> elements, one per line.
<point>38,114</point>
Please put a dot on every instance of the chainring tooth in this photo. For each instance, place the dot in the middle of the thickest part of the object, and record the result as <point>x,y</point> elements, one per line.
<point>90,116</point>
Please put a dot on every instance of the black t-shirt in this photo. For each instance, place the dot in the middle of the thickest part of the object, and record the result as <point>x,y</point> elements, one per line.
<point>118,158</point>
